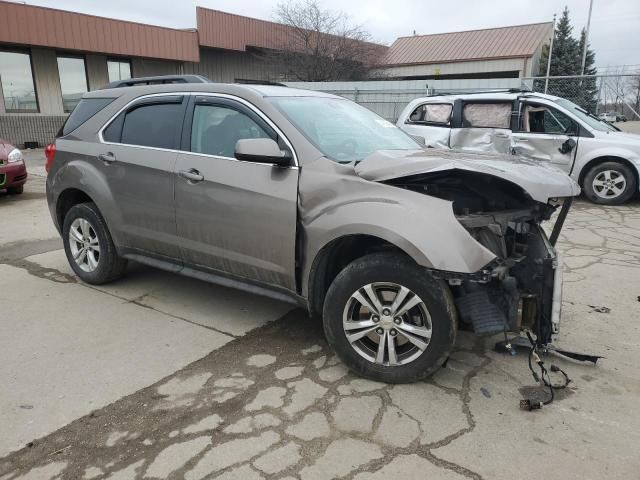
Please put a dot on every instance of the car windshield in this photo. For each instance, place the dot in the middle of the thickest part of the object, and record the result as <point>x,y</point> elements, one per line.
<point>586,117</point>
<point>342,130</point>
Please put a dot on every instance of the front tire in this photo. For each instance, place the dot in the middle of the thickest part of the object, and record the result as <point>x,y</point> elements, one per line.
<point>389,320</point>
<point>15,190</point>
<point>609,183</point>
<point>89,247</point>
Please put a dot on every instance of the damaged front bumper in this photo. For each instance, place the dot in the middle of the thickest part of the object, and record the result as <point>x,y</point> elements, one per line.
<point>522,288</point>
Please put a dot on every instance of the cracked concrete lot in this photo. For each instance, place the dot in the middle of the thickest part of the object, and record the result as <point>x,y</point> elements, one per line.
<point>159,376</point>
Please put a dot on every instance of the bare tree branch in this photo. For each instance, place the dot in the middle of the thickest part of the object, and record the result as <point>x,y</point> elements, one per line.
<point>321,45</point>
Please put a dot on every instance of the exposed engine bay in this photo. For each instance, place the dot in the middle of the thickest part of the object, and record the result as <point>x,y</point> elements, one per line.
<point>521,288</point>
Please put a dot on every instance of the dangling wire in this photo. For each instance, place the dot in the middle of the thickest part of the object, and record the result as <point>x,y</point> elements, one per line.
<point>532,404</point>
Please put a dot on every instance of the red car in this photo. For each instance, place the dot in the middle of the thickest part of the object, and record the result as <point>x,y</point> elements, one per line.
<point>13,171</point>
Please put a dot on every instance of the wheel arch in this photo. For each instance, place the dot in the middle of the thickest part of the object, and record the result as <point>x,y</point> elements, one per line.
<point>333,257</point>
<point>67,199</point>
<point>603,159</point>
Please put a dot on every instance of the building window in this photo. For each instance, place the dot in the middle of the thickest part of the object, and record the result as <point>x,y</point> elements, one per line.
<point>16,79</point>
<point>118,70</point>
<point>73,81</point>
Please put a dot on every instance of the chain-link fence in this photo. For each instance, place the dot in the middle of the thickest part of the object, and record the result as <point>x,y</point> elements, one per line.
<point>386,103</point>
<point>388,98</point>
<point>618,95</point>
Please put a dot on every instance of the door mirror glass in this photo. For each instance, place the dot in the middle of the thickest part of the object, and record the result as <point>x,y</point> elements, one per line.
<point>262,150</point>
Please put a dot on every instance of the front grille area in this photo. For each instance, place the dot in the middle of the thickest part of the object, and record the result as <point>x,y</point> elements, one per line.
<point>3,178</point>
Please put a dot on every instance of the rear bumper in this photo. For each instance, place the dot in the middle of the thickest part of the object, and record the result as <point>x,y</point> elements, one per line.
<point>12,175</point>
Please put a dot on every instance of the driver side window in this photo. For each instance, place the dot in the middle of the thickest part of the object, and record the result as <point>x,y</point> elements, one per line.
<point>543,119</point>
<point>217,128</point>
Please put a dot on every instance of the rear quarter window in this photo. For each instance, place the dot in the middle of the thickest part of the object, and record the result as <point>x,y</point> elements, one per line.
<point>86,108</point>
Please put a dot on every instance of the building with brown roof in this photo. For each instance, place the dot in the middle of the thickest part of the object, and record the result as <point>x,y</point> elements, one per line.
<point>49,58</point>
<point>506,52</point>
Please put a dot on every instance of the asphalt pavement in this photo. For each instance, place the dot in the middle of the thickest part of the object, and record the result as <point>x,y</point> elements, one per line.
<point>160,376</point>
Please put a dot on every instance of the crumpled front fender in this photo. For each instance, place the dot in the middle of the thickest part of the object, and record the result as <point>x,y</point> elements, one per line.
<point>338,203</point>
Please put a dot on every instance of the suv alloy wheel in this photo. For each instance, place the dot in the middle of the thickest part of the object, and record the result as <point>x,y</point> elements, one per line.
<point>388,319</point>
<point>89,247</point>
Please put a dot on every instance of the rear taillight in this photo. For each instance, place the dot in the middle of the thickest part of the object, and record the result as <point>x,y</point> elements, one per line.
<point>49,153</point>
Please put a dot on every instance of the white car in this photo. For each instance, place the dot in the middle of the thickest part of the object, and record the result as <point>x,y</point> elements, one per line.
<point>608,117</point>
<point>603,160</point>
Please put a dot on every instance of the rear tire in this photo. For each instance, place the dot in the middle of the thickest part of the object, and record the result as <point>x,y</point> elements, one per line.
<point>15,190</point>
<point>432,319</point>
<point>609,183</point>
<point>89,247</point>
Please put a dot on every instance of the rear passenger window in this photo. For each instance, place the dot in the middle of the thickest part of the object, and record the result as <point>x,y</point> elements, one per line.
<point>432,113</point>
<point>487,115</point>
<point>155,125</point>
<point>217,128</point>
<point>114,131</point>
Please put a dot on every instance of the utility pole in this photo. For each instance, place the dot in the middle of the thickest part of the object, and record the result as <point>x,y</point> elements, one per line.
<point>553,35</point>
<point>586,38</point>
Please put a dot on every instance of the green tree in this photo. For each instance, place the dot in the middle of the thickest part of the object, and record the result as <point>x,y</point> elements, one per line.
<point>588,92</point>
<point>566,59</point>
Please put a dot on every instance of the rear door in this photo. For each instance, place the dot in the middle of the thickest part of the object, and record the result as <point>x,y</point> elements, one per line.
<point>234,216</point>
<point>431,121</point>
<point>138,156</point>
<point>482,126</point>
<point>542,131</point>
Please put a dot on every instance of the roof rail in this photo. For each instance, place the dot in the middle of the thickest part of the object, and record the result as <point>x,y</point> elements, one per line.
<point>479,92</point>
<point>243,81</point>
<point>131,82</point>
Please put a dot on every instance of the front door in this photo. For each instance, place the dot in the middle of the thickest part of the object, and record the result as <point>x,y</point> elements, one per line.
<point>234,216</point>
<point>544,133</point>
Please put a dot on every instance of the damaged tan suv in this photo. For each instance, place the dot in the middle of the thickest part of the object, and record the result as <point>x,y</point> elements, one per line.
<point>310,198</point>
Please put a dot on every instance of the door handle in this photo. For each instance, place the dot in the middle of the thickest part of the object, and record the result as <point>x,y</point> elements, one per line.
<point>521,139</point>
<point>502,135</point>
<point>107,157</point>
<point>192,175</point>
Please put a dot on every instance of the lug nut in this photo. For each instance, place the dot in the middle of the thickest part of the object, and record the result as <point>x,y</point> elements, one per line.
<point>379,331</point>
<point>386,311</point>
<point>397,321</point>
<point>375,318</point>
<point>393,332</point>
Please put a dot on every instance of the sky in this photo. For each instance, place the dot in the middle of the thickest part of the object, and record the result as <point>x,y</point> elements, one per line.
<point>614,34</point>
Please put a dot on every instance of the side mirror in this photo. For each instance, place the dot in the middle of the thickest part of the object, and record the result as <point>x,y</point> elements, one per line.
<point>567,146</point>
<point>262,150</point>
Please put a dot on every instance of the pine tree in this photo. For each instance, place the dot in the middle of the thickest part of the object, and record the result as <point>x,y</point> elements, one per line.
<point>589,88</point>
<point>566,59</point>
